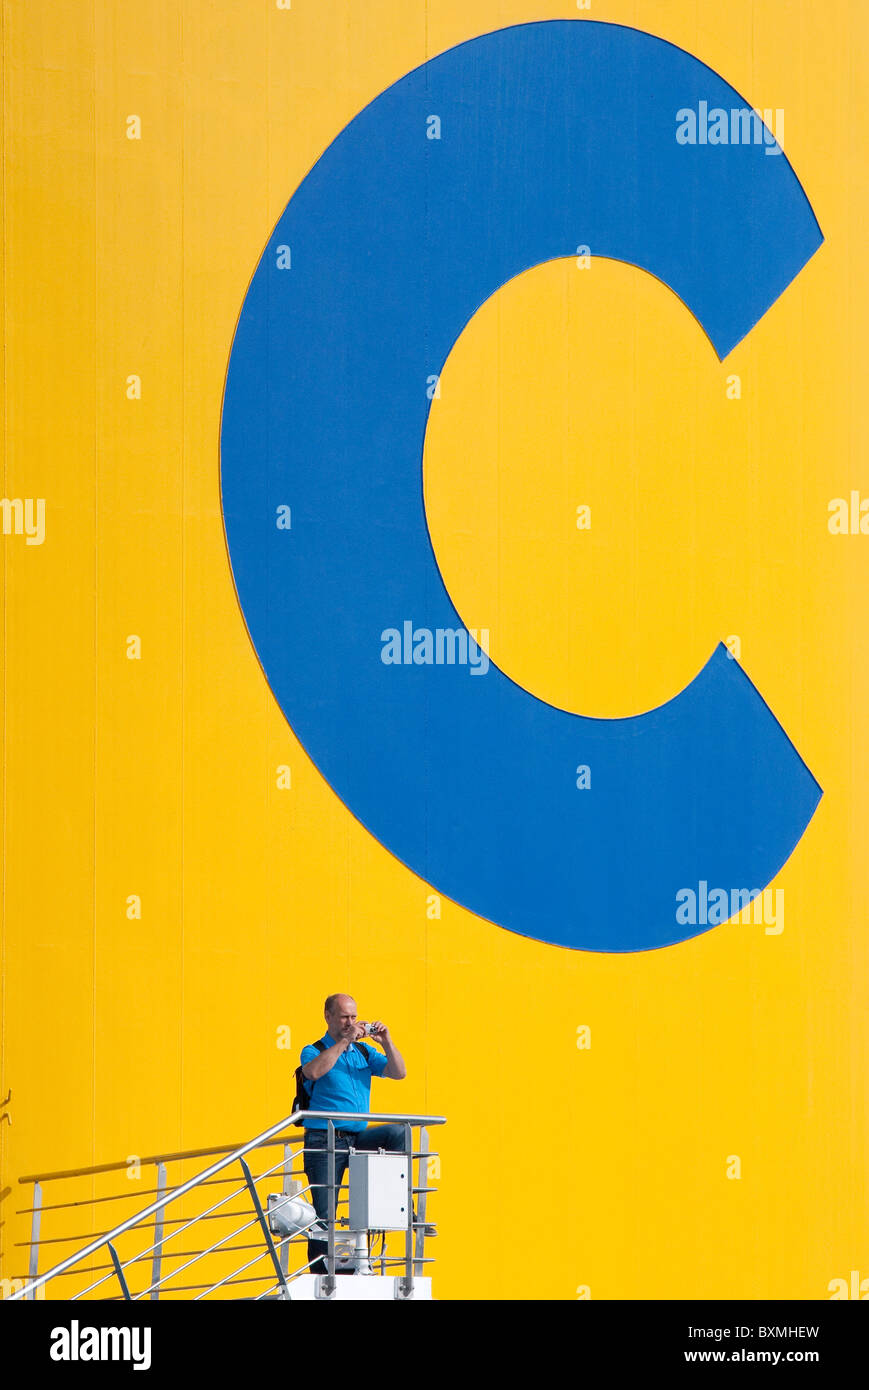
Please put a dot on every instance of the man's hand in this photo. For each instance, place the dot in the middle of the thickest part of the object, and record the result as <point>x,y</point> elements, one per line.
<point>395,1068</point>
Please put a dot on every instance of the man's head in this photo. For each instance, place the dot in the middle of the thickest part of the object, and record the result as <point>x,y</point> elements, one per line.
<point>340,1011</point>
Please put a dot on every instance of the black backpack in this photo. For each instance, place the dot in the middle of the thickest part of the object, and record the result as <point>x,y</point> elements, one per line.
<point>303,1096</point>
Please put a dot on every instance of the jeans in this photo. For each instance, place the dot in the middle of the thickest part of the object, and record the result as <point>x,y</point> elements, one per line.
<point>391,1137</point>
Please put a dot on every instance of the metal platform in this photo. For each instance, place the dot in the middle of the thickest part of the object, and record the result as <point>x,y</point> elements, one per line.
<point>358,1287</point>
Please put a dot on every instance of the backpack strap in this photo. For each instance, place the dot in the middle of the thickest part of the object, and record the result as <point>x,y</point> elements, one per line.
<point>306,1082</point>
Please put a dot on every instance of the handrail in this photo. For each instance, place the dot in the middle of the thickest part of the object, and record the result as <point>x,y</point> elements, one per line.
<point>185,1187</point>
<point>177,1157</point>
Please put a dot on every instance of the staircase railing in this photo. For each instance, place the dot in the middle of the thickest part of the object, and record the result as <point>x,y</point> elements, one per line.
<point>117,1272</point>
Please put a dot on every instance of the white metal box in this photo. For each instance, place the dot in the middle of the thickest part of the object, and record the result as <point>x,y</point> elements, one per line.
<point>378,1192</point>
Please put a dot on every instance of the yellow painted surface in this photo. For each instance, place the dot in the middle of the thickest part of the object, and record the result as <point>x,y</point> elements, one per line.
<point>562,1167</point>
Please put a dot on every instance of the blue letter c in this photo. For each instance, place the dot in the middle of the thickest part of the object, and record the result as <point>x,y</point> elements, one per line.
<point>551,135</point>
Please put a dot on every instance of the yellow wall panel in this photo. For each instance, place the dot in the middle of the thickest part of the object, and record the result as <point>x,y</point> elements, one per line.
<point>157,777</point>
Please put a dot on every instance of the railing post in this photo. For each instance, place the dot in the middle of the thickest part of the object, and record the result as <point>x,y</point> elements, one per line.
<point>287,1191</point>
<point>329,1282</point>
<point>119,1271</point>
<point>406,1284</point>
<point>422,1184</point>
<point>35,1220</point>
<point>264,1226</point>
<point>157,1261</point>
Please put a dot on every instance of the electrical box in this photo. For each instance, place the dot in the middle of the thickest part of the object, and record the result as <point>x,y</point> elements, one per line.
<point>378,1192</point>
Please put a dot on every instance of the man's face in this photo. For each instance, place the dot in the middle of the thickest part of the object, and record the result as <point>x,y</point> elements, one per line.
<point>342,1019</point>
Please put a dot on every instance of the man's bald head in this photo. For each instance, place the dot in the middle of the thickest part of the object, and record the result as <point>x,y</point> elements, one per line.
<point>340,1002</point>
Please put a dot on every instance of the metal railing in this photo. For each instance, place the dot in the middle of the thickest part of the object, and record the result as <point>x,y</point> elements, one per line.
<point>274,1252</point>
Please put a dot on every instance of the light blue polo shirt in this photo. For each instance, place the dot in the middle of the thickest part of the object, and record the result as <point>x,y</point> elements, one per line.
<point>347,1086</point>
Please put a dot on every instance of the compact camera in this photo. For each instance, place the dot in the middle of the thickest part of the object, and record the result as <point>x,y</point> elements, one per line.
<point>367,1030</point>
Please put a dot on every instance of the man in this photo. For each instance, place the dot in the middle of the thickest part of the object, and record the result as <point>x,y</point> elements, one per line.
<point>339,1078</point>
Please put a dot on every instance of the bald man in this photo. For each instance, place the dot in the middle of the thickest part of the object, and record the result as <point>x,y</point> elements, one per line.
<point>338,1071</point>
